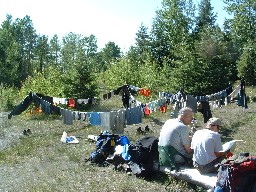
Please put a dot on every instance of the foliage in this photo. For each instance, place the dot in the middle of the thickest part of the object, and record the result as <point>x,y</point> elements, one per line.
<point>41,54</point>
<point>80,82</point>
<point>206,18</point>
<point>9,54</point>
<point>212,62</point>
<point>9,96</point>
<point>110,53</point>
<point>247,64</point>
<point>184,47</point>
<point>148,75</point>
<point>170,31</point>
<point>242,25</point>
<point>47,83</point>
<point>54,52</point>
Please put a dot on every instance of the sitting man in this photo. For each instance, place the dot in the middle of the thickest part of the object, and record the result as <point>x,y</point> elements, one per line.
<point>207,147</point>
<point>174,141</point>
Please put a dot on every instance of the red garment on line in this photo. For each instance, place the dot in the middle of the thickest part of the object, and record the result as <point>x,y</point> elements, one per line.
<point>145,92</point>
<point>146,111</point>
<point>71,103</point>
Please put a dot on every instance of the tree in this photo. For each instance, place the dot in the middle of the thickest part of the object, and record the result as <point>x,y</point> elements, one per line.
<point>142,43</point>
<point>80,78</point>
<point>206,18</point>
<point>211,52</point>
<point>141,51</point>
<point>247,64</point>
<point>109,54</point>
<point>25,36</point>
<point>68,51</point>
<point>18,41</point>
<point>242,27</point>
<point>170,31</point>
<point>9,75</point>
<point>55,54</point>
<point>42,53</point>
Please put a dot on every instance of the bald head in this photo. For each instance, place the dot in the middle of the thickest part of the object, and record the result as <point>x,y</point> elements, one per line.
<point>186,115</point>
<point>185,111</point>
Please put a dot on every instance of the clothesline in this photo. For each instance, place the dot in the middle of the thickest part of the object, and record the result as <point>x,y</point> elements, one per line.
<point>118,119</point>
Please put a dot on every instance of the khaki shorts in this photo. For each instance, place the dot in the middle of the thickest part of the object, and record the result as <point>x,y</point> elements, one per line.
<point>211,167</point>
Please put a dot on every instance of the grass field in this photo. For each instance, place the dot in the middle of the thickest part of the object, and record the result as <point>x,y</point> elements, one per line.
<point>41,162</point>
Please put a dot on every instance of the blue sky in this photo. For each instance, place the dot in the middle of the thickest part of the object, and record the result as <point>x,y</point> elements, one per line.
<point>108,20</point>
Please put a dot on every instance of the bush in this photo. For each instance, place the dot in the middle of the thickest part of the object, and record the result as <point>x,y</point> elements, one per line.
<point>47,83</point>
<point>9,96</point>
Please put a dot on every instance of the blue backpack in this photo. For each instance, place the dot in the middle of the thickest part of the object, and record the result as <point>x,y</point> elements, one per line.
<point>105,145</point>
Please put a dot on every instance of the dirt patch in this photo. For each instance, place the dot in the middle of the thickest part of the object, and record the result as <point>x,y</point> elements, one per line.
<point>8,133</point>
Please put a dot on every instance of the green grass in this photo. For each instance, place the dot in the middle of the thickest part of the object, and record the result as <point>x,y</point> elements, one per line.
<point>41,162</point>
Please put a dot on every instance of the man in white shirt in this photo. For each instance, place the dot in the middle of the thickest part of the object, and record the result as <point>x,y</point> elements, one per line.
<point>207,147</point>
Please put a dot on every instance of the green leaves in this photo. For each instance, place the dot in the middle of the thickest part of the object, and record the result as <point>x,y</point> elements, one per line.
<point>182,49</point>
<point>47,83</point>
<point>247,63</point>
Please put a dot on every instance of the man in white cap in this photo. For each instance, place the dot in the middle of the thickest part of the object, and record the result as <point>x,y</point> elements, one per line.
<point>207,146</point>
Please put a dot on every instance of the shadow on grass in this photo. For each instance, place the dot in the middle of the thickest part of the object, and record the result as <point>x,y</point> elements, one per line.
<point>158,177</point>
<point>156,121</point>
<point>234,128</point>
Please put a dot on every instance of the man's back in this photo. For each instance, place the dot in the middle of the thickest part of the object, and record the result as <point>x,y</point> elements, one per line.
<point>205,142</point>
<point>174,133</point>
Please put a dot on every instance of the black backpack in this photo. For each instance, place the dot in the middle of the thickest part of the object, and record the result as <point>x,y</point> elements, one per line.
<point>105,145</point>
<point>144,155</point>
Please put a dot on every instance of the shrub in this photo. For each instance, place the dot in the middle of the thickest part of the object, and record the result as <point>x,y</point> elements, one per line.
<point>9,96</point>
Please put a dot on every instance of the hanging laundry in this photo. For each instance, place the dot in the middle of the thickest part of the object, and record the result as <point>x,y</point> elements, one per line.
<point>82,116</point>
<point>145,92</point>
<point>36,100</point>
<point>94,118</point>
<point>55,110</point>
<point>22,106</point>
<point>75,115</point>
<point>133,115</point>
<point>176,109</point>
<point>49,99</point>
<point>125,96</point>
<point>118,90</point>
<point>105,96</point>
<point>242,100</point>
<point>105,121</point>
<point>58,101</point>
<point>205,110</point>
<point>82,101</point>
<point>45,107</point>
<point>71,103</point>
<point>134,88</point>
<point>152,105</point>
<point>163,109</point>
<point>109,95</point>
<point>191,102</point>
<point>67,116</point>
<point>146,111</point>
<point>119,122</point>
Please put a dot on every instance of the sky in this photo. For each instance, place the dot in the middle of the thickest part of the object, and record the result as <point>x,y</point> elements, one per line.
<point>108,20</point>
